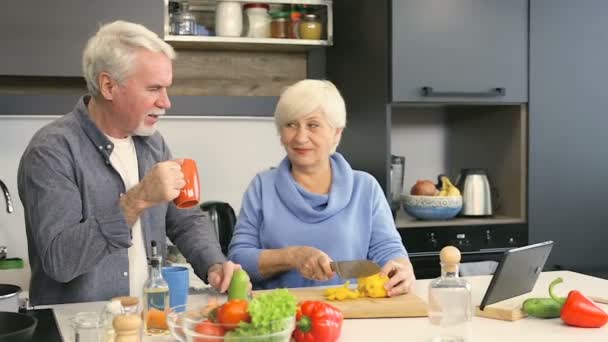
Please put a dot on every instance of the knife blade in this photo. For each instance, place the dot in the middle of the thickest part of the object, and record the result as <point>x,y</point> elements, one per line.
<point>354,268</point>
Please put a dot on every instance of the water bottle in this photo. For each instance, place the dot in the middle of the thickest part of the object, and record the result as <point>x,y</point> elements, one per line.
<point>450,302</point>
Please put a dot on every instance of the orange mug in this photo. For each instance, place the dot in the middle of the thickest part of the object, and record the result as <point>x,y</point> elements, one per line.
<point>189,195</point>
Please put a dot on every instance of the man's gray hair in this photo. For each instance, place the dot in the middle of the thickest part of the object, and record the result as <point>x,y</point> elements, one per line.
<point>112,49</point>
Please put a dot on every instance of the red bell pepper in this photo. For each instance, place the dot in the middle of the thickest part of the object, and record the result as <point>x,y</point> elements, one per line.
<point>580,311</point>
<point>317,322</point>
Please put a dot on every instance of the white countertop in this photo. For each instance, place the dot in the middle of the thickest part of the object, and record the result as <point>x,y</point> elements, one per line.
<point>419,329</point>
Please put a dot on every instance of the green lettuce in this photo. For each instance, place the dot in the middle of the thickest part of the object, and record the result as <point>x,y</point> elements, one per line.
<point>270,313</point>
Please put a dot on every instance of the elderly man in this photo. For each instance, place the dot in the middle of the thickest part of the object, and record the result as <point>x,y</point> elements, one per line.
<point>97,184</point>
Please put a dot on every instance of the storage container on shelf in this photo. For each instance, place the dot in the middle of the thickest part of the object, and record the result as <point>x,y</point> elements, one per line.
<point>258,20</point>
<point>279,26</point>
<point>310,27</point>
<point>228,19</point>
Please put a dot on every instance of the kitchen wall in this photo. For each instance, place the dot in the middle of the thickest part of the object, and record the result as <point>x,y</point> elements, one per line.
<point>420,135</point>
<point>229,152</point>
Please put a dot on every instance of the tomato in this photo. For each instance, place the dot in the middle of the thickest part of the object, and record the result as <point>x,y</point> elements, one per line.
<point>232,313</point>
<point>208,328</point>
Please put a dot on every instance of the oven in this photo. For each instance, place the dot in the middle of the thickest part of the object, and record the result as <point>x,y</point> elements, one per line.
<point>476,243</point>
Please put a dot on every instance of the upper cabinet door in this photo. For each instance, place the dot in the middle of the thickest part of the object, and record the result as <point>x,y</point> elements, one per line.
<point>47,38</point>
<point>460,51</point>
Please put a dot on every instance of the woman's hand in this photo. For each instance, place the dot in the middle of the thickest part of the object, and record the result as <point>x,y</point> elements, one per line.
<point>401,274</point>
<point>311,262</point>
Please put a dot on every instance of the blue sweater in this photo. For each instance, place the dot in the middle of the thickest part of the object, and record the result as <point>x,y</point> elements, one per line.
<point>353,221</point>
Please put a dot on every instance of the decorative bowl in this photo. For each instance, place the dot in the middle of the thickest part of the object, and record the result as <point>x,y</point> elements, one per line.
<point>432,207</point>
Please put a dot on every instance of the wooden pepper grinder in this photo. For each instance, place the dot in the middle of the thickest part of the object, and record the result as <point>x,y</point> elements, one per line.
<point>127,325</point>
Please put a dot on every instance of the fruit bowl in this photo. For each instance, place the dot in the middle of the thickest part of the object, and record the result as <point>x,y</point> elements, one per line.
<point>432,207</point>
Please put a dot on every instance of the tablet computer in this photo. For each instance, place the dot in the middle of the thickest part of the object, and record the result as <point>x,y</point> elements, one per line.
<point>517,272</point>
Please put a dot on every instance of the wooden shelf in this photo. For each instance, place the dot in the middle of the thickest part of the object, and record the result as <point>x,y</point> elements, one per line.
<point>244,43</point>
<point>404,221</point>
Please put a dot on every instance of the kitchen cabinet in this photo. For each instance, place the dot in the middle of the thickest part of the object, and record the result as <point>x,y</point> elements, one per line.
<point>493,135</point>
<point>568,162</point>
<point>457,132</point>
<point>459,51</point>
<point>46,38</point>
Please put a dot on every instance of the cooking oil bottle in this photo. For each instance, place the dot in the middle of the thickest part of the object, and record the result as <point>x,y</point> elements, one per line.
<point>156,297</point>
<point>450,303</point>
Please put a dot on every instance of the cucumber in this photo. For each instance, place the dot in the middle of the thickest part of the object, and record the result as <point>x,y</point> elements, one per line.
<point>239,285</point>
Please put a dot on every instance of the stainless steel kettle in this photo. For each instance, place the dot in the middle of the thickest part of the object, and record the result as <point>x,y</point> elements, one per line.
<point>476,192</point>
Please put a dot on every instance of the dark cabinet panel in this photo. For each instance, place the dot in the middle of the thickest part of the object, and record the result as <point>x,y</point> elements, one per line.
<point>463,50</point>
<point>46,38</point>
<point>568,159</point>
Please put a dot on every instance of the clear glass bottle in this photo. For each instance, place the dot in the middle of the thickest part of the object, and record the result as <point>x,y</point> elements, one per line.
<point>156,297</point>
<point>450,302</point>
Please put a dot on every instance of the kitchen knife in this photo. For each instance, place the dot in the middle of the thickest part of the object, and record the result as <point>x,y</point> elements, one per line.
<point>354,268</point>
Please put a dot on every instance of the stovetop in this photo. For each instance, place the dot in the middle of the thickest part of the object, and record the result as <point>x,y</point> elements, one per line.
<point>47,329</point>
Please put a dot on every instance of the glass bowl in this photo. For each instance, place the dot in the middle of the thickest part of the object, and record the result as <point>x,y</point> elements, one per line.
<point>281,332</point>
<point>196,310</point>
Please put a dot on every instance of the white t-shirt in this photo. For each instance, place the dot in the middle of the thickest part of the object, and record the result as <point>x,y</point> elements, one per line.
<point>124,160</point>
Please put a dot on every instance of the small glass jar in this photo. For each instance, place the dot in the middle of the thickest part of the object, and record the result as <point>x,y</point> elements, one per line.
<point>310,27</point>
<point>183,22</point>
<point>258,20</point>
<point>87,326</point>
<point>279,26</point>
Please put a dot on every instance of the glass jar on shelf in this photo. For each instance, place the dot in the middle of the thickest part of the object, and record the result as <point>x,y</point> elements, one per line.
<point>310,27</point>
<point>279,26</point>
<point>258,20</point>
<point>183,22</point>
<point>228,19</point>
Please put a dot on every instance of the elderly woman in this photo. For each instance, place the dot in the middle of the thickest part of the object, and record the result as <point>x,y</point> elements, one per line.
<point>314,208</point>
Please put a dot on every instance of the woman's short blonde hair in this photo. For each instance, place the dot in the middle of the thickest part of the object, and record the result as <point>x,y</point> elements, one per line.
<point>112,49</point>
<point>307,96</point>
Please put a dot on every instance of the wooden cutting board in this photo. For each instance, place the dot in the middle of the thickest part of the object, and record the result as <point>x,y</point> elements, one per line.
<point>408,305</point>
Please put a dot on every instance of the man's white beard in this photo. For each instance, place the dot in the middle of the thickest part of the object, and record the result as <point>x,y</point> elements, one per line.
<point>143,130</point>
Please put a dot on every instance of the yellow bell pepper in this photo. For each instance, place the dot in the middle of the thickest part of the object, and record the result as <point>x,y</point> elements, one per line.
<point>342,292</point>
<point>373,286</point>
